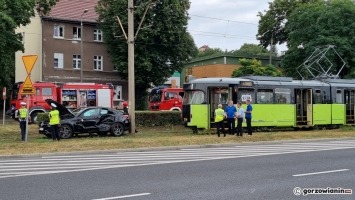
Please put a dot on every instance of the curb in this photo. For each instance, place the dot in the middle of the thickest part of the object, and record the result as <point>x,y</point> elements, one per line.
<point>166,148</point>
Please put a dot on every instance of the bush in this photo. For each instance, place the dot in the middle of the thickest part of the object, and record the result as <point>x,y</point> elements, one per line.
<point>143,118</point>
<point>41,117</point>
<point>158,118</point>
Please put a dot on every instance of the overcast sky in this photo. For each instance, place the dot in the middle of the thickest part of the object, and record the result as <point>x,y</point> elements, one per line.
<point>225,24</point>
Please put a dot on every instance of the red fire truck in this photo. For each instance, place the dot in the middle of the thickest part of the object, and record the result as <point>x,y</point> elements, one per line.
<point>166,99</point>
<point>71,95</point>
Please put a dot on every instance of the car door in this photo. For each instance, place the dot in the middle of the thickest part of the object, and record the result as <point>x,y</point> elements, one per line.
<point>87,119</point>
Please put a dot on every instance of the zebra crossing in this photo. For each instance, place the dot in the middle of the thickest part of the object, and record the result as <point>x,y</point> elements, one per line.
<point>85,162</point>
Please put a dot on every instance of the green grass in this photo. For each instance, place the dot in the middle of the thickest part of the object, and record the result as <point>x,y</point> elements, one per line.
<point>11,144</point>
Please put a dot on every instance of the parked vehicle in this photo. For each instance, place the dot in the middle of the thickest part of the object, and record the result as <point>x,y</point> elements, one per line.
<point>166,99</point>
<point>71,95</point>
<point>100,120</point>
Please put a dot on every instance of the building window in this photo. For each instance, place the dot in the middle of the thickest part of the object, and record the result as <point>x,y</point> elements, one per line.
<point>97,35</point>
<point>76,61</point>
<point>118,92</point>
<point>76,33</point>
<point>58,31</point>
<point>58,60</point>
<point>98,63</point>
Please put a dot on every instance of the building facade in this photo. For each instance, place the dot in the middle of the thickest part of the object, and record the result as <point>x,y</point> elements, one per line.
<point>217,66</point>
<point>70,47</point>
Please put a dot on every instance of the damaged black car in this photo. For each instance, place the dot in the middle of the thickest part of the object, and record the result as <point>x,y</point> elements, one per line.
<point>90,120</point>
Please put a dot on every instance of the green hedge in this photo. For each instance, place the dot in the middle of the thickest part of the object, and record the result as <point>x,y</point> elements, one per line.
<point>144,118</point>
<point>158,118</point>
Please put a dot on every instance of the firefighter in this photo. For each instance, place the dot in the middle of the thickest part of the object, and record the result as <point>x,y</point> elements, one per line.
<point>125,107</point>
<point>21,114</point>
<point>54,121</point>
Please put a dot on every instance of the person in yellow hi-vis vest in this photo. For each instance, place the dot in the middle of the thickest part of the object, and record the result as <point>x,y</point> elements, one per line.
<point>219,117</point>
<point>21,114</point>
<point>54,121</point>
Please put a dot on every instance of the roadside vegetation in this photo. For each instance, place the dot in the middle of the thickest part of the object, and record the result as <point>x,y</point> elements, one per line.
<point>177,135</point>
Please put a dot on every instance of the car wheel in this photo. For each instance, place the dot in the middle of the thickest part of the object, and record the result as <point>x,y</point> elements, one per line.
<point>117,129</point>
<point>66,131</point>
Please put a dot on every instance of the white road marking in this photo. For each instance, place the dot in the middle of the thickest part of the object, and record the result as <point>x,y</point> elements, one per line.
<point>324,172</point>
<point>122,197</point>
<point>77,163</point>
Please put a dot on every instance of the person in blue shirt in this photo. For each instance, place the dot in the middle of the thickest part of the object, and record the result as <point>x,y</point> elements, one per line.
<point>230,112</point>
<point>240,117</point>
<point>248,117</point>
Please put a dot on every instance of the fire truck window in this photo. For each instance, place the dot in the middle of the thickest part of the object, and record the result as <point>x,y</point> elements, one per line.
<point>181,95</point>
<point>38,91</point>
<point>169,95</point>
<point>47,91</point>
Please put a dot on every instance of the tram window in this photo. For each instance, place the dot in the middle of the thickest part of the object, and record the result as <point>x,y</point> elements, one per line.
<point>282,95</point>
<point>338,97</point>
<point>265,96</point>
<point>194,97</point>
<point>317,98</point>
<point>244,95</point>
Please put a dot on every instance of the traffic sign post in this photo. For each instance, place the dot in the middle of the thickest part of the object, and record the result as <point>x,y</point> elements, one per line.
<point>27,87</point>
<point>3,98</point>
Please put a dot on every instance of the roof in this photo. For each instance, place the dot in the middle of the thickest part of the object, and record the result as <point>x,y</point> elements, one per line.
<point>72,10</point>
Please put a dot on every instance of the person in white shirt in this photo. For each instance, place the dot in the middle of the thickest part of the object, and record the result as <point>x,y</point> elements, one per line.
<point>240,117</point>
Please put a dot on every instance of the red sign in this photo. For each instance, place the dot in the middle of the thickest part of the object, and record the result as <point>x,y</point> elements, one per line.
<point>4,93</point>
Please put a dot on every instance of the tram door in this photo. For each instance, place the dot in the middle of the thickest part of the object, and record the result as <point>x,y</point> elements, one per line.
<point>218,95</point>
<point>304,107</point>
<point>349,102</point>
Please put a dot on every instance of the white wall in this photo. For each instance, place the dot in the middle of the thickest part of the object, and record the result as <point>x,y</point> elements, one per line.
<point>32,39</point>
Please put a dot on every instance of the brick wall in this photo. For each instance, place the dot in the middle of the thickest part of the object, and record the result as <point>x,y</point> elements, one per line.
<point>216,70</point>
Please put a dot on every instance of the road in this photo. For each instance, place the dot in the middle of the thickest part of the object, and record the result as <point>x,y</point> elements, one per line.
<point>253,171</point>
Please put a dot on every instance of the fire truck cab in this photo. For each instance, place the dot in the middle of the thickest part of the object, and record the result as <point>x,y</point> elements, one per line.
<point>166,99</point>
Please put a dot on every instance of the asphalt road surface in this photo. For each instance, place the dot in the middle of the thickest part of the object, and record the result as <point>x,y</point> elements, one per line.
<point>263,171</point>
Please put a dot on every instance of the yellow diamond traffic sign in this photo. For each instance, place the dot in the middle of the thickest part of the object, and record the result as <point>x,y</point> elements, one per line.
<point>29,62</point>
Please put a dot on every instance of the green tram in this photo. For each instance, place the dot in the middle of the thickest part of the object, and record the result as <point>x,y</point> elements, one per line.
<point>277,101</point>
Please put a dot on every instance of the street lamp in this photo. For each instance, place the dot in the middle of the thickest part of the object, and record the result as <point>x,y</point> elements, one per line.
<point>81,45</point>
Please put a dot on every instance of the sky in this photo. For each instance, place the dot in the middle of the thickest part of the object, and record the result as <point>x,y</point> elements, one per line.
<point>226,24</point>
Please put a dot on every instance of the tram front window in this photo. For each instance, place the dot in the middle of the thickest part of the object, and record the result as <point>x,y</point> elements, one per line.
<point>194,97</point>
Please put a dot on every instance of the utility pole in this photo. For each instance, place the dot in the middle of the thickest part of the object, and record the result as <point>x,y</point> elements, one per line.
<point>131,80</point>
<point>271,47</point>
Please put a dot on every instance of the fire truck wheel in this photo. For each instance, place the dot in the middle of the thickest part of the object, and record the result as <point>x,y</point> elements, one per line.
<point>66,131</point>
<point>34,117</point>
<point>117,129</point>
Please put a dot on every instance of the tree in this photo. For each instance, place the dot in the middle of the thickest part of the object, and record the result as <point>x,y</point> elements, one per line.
<point>272,22</point>
<point>253,50</point>
<point>162,46</point>
<point>210,52</point>
<point>254,67</point>
<point>14,13</point>
<point>318,24</point>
